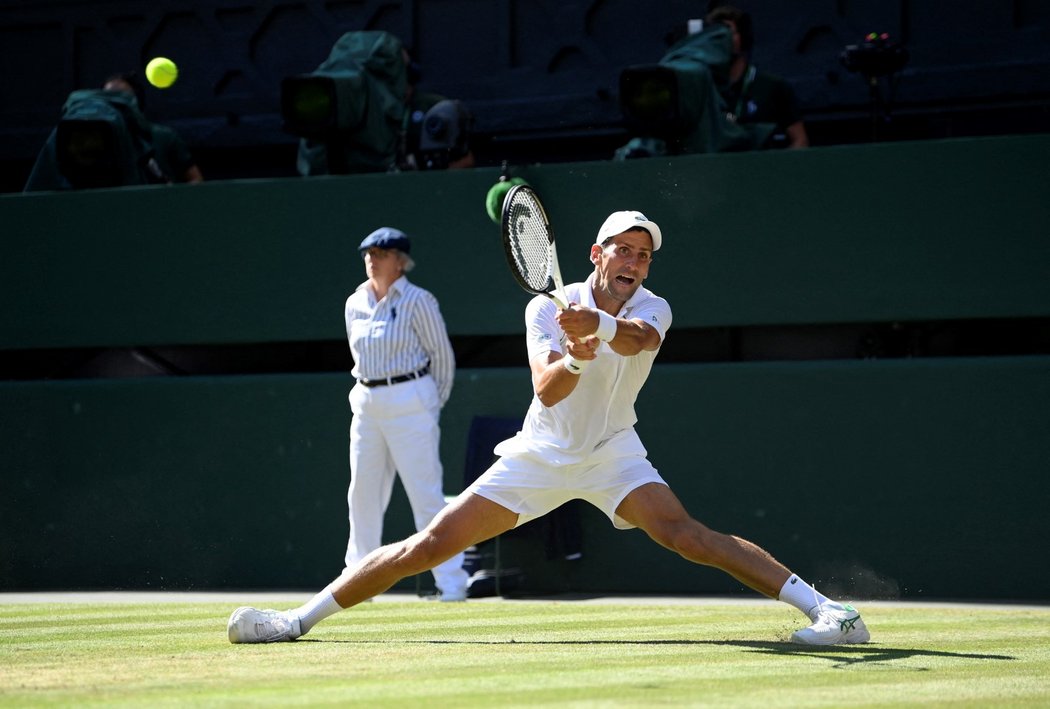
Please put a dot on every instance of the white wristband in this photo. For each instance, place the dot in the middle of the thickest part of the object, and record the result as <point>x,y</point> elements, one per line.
<point>606,326</point>
<point>575,366</point>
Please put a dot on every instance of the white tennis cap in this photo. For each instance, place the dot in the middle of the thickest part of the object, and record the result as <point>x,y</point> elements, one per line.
<point>619,222</point>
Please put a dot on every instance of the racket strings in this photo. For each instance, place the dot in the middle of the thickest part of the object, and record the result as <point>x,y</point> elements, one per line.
<point>530,244</point>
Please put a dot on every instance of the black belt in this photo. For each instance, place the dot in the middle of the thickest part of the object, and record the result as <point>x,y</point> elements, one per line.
<point>395,380</point>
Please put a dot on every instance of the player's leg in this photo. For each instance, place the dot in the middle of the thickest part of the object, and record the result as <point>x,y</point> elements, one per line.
<point>470,519</point>
<point>654,508</point>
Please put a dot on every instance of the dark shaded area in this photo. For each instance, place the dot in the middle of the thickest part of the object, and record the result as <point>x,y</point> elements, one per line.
<point>541,79</point>
<point>961,338</point>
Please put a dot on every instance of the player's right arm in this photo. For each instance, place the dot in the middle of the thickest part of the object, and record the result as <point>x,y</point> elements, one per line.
<point>551,379</point>
<point>549,351</point>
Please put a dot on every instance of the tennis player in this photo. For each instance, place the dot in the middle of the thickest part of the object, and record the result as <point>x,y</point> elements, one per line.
<point>577,442</point>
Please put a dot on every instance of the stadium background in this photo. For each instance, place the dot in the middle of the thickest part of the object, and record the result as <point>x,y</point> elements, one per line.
<point>858,376</point>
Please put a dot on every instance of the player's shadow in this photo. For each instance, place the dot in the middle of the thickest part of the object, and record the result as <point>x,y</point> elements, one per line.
<point>846,655</point>
<point>840,655</point>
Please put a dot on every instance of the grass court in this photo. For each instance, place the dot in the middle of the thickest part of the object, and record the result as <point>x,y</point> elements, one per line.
<point>508,653</point>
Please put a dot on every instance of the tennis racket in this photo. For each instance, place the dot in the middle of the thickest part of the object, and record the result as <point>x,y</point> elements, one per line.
<point>529,243</point>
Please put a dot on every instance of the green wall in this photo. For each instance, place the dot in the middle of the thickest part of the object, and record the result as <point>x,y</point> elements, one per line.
<point>919,478</point>
<point>933,230</point>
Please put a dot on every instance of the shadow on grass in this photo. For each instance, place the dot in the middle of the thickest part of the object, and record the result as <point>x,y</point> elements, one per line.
<point>845,655</point>
<point>841,655</point>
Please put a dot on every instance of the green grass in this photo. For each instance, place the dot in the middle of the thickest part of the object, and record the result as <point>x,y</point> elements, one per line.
<point>521,653</point>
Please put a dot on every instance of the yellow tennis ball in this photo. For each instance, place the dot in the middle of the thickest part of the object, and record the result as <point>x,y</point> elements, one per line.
<point>161,72</point>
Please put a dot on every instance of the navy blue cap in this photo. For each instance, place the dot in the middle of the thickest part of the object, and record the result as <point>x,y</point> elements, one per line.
<point>386,237</point>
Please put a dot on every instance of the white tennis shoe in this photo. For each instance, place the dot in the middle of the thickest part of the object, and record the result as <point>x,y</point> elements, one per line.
<point>834,624</point>
<point>251,625</point>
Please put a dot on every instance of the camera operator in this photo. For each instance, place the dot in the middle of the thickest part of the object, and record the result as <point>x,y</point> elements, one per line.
<point>103,140</point>
<point>437,130</point>
<point>173,161</point>
<point>704,96</point>
<point>360,112</point>
<point>754,96</point>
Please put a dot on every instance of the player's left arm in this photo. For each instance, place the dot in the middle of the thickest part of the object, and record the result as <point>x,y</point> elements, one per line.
<point>634,336</point>
<point>629,337</point>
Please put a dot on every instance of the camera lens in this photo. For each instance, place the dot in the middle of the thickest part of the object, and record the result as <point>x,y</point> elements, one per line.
<point>436,126</point>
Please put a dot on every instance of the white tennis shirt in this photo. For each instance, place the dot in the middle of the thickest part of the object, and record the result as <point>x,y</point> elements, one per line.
<point>596,421</point>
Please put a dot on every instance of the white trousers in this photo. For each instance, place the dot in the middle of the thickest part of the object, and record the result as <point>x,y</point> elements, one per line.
<point>394,431</point>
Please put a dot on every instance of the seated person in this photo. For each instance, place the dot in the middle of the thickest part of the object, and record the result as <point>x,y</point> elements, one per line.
<point>102,141</point>
<point>419,153</point>
<point>173,160</point>
<point>754,96</point>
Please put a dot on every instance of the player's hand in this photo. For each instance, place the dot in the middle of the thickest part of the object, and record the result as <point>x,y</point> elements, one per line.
<point>585,349</point>
<point>577,321</point>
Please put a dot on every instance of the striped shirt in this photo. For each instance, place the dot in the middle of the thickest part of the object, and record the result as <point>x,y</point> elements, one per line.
<point>399,335</point>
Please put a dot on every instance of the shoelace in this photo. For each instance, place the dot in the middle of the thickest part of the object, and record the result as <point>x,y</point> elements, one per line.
<point>846,624</point>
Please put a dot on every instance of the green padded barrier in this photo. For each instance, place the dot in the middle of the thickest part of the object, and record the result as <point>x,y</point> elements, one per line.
<point>872,233</point>
<point>911,478</point>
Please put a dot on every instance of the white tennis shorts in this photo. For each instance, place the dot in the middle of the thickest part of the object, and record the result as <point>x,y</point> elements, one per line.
<point>532,488</point>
